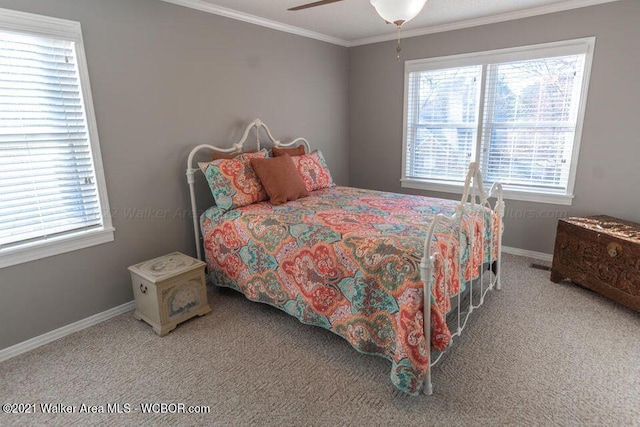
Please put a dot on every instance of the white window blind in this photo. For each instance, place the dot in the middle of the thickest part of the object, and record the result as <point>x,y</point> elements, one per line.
<point>48,187</point>
<point>531,112</point>
<point>442,119</point>
<point>516,112</point>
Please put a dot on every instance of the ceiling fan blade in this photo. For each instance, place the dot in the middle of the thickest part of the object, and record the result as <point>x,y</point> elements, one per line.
<point>314,4</point>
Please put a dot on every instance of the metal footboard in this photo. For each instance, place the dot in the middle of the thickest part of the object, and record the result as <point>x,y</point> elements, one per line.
<point>473,195</point>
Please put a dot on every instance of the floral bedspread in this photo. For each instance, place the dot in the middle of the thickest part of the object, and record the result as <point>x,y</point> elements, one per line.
<point>348,260</point>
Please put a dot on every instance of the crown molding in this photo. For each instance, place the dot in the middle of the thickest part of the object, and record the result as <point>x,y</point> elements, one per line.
<point>475,22</point>
<point>14,20</point>
<point>256,20</point>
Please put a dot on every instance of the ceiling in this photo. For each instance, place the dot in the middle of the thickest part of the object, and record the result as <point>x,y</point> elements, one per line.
<point>355,22</point>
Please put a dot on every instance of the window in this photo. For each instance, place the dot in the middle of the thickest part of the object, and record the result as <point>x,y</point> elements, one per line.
<point>52,193</point>
<point>516,112</point>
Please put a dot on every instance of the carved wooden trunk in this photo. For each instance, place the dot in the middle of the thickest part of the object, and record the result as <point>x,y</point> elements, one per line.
<point>601,253</point>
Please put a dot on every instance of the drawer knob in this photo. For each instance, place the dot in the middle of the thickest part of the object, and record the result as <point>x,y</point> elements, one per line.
<point>143,288</point>
<point>614,249</point>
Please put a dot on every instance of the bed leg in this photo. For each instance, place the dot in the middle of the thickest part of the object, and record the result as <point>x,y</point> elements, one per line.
<point>496,267</point>
<point>493,267</point>
<point>428,387</point>
<point>426,266</point>
<point>500,212</point>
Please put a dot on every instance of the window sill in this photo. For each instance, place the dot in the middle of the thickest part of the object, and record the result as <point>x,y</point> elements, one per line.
<point>508,194</point>
<point>37,250</point>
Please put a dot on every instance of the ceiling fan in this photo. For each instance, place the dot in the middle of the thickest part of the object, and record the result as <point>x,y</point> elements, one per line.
<point>397,11</point>
<point>314,4</point>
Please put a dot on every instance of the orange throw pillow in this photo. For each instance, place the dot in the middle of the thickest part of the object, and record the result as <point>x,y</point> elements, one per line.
<point>218,156</point>
<point>280,179</point>
<point>297,151</point>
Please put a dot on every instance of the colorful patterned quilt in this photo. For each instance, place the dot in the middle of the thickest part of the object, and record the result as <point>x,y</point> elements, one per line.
<point>348,260</point>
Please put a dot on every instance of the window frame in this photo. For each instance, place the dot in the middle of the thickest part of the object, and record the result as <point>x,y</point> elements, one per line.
<point>62,29</point>
<point>584,46</point>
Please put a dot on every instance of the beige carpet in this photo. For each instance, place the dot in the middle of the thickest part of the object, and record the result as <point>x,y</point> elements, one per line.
<point>536,353</point>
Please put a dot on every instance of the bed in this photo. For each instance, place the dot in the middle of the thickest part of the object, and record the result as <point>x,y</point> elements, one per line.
<point>379,269</point>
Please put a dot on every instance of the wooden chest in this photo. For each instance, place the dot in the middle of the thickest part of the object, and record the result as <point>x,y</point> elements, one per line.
<point>169,290</point>
<point>600,253</point>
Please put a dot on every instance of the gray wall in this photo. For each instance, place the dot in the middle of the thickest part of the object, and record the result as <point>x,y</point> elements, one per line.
<point>608,175</point>
<point>164,79</point>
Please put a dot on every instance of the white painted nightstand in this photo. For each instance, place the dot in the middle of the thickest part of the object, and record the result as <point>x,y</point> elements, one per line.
<point>169,290</point>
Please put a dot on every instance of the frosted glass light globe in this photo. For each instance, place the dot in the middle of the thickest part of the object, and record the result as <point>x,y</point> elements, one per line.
<point>398,11</point>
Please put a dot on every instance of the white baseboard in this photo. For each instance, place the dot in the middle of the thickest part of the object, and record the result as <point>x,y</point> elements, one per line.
<point>23,347</point>
<point>527,253</point>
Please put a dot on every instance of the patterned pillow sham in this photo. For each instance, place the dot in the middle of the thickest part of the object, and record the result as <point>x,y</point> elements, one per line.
<point>217,156</point>
<point>313,170</point>
<point>233,182</point>
<point>246,154</point>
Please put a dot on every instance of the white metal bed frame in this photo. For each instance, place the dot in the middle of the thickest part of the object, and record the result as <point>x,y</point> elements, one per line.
<point>473,194</point>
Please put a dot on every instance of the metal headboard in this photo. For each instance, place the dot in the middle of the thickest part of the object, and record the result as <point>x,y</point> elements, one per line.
<point>235,148</point>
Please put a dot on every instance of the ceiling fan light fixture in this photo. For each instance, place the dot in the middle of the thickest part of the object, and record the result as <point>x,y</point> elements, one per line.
<point>398,11</point>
